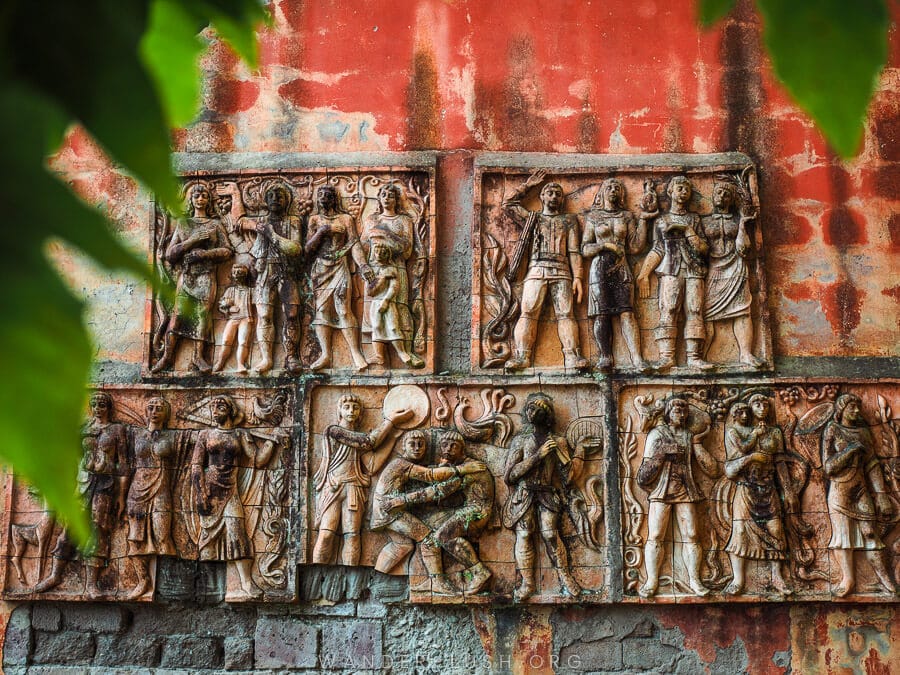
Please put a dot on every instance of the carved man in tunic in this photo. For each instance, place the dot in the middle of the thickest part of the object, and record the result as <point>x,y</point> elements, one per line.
<point>667,473</point>
<point>858,500</point>
<point>350,459</point>
<point>551,240</point>
<point>333,242</point>
<point>678,258</point>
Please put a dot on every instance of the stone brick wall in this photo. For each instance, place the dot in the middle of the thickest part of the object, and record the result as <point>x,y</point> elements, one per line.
<point>613,77</point>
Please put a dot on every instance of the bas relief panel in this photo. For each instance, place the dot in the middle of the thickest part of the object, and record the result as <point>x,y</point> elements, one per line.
<point>477,491</point>
<point>652,268</point>
<point>773,491</point>
<point>200,474</point>
<point>295,271</point>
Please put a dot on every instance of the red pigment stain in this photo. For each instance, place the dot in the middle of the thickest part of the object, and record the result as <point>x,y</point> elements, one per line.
<point>892,292</point>
<point>233,96</point>
<point>893,226</point>
<point>762,630</point>
<point>841,302</point>
<point>874,665</point>
<point>844,227</point>
<point>784,228</point>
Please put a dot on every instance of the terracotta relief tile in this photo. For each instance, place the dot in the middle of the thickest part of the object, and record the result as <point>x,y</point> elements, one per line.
<point>452,483</point>
<point>634,263</point>
<point>775,490</point>
<point>202,474</point>
<point>292,271</point>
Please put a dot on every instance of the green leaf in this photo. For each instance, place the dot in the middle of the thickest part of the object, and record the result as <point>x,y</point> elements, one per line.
<point>711,11</point>
<point>91,67</point>
<point>828,54</point>
<point>236,21</point>
<point>170,50</point>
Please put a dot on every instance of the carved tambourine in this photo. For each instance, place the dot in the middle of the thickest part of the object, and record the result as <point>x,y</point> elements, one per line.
<point>406,397</point>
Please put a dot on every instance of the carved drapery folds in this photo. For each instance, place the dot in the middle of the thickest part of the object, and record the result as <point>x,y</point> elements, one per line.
<point>295,271</point>
<point>774,491</point>
<point>617,437</point>
<point>639,264</point>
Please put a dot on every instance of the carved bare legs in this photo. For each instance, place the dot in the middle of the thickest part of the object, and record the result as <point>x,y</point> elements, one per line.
<point>742,327</point>
<point>876,558</point>
<point>408,359</point>
<point>556,551</point>
<point>658,523</point>
<point>323,335</point>
<point>534,292</point>
<point>736,587</point>
<point>241,331</point>
<point>339,515</point>
<point>603,329</point>
<point>265,336</point>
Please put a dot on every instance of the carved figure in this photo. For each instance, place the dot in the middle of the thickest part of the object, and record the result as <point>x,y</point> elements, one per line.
<point>755,462</point>
<point>610,232</point>
<point>468,500</point>
<point>678,258</point>
<point>550,239</point>
<point>198,245</point>
<point>395,231</point>
<point>218,455</point>
<point>277,252</point>
<point>667,474</point>
<point>538,470</point>
<point>102,480</point>
<point>349,460</point>
<point>149,501</point>
<point>727,295</point>
<point>858,499</point>
<point>333,241</point>
<point>237,305</point>
<point>389,503</point>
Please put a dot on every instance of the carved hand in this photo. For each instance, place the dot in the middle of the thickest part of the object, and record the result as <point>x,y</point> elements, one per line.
<point>643,284</point>
<point>402,415</point>
<point>535,179</point>
<point>548,447</point>
<point>193,256</point>
<point>228,188</point>
<point>394,503</point>
<point>576,290</point>
<point>884,505</point>
<point>473,466</point>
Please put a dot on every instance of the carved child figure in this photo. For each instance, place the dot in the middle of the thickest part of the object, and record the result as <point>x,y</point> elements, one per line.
<point>388,313</point>
<point>550,239</point>
<point>678,258</point>
<point>237,305</point>
<point>667,473</point>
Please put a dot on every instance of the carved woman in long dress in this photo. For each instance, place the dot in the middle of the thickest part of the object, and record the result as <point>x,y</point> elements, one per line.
<point>727,295</point>
<point>753,451</point>
<point>396,231</point>
<point>198,245</point>
<point>149,503</point>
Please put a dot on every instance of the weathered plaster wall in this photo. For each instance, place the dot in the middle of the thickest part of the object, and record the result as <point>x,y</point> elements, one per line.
<point>457,76</point>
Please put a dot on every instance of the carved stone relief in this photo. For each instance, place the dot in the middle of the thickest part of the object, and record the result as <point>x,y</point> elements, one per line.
<point>477,491</point>
<point>776,491</point>
<point>295,271</point>
<point>194,473</point>
<point>643,264</point>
